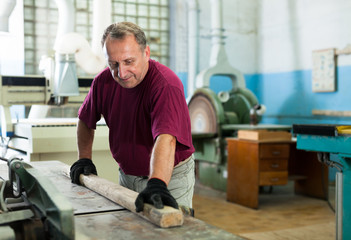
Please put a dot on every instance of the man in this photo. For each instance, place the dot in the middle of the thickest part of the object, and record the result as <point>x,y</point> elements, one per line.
<point>143,104</point>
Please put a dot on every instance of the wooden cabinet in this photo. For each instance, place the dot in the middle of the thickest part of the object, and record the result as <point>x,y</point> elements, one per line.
<point>252,164</point>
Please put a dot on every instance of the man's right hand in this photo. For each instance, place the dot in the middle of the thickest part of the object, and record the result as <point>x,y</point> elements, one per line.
<point>155,193</point>
<point>82,166</point>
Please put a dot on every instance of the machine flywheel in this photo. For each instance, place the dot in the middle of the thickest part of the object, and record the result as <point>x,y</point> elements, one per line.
<point>202,115</point>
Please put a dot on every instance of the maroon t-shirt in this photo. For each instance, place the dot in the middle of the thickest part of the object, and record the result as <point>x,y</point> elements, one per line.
<point>136,116</point>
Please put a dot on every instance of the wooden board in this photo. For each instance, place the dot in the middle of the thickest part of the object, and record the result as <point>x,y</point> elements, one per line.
<point>331,113</point>
<point>264,135</point>
<point>164,218</point>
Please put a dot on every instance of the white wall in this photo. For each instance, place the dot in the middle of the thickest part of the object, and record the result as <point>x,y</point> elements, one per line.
<point>270,35</point>
<point>289,30</point>
<point>12,44</point>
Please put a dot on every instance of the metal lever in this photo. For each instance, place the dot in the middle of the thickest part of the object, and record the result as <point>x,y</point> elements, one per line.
<point>15,182</point>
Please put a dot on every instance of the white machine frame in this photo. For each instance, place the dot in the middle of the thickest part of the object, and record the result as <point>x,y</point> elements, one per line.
<point>50,138</point>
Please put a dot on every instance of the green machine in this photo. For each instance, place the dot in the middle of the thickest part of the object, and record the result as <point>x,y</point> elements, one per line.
<point>31,207</point>
<point>213,118</point>
<point>216,116</point>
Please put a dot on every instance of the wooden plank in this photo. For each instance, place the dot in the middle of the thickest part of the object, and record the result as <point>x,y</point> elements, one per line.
<point>164,218</point>
<point>333,113</point>
<point>264,135</point>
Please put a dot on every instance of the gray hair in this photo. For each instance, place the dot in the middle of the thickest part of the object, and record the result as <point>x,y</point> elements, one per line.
<point>122,29</point>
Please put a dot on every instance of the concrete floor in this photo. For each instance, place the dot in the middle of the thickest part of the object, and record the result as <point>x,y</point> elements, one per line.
<point>281,215</point>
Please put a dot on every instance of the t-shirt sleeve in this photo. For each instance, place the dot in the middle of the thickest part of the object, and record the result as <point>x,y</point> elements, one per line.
<point>170,115</point>
<point>89,111</point>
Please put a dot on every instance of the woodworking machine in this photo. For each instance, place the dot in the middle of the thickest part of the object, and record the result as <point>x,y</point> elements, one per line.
<point>217,116</point>
<point>213,118</point>
<point>49,132</point>
<point>38,201</point>
<point>36,90</point>
<point>332,141</point>
<point>30,206</point>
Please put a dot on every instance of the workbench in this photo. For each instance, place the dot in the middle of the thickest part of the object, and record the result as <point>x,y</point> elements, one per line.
<point>96,217</point>
<point>326,139</point>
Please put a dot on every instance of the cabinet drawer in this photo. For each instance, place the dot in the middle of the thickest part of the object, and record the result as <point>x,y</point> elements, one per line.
<point>274,150</point>
<point>273,178</point>
<point>269,165</point>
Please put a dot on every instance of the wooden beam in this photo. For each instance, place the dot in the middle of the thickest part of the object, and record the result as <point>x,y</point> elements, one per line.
<point>164,218</point>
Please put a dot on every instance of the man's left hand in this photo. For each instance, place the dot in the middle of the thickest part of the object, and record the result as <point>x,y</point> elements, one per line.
<point>157,194</point>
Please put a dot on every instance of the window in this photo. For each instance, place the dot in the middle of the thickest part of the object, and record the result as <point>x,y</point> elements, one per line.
<point>41,18</point>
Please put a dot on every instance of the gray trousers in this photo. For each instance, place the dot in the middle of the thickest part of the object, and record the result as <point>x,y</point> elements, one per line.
<point>181,185</point>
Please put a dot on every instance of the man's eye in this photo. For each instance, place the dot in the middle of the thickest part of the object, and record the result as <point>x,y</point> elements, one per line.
<point>113,65</point>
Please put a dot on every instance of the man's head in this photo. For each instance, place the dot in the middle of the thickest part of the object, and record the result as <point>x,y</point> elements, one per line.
<point>126,52</point>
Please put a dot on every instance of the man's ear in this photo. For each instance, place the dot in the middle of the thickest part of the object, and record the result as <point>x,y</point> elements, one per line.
<point>147,52</point>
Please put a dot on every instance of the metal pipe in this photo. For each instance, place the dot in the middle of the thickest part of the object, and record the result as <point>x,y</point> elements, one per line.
<point>101,20</point>
<point>65,18</point>
<point>216,21</point>
<point>339,204</point>
<point>217,50</point>
<point>90,59</point>
<point>219,64</point>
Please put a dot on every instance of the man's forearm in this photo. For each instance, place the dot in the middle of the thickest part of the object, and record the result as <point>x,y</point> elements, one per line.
<point>85,137</point>
<point>162,158</point>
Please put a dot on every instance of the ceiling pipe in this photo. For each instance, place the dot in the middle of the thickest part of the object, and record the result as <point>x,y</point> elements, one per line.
<point>66,19</point>
<point>219,64</point>
<point>72,48</point>
<point>193,45</point>
<point>89,58</point>
<point>217,30</point>
<point>6,8</point>
<point>101,20</point>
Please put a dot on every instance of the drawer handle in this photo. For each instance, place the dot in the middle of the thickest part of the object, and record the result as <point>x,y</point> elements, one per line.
<point>275,165</point>
<point>274,179</point>
<point>275,153</point>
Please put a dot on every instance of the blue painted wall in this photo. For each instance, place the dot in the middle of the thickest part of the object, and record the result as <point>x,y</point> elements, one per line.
<point>289,98</point>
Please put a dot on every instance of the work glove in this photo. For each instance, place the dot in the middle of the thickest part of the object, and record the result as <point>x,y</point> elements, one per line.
<point>83,165</point>
<point>155,193</point>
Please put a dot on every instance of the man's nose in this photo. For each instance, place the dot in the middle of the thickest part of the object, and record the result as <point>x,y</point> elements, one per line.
<point>122,71</point>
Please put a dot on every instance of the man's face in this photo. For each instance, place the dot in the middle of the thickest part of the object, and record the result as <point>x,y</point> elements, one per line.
<point>127,62</point>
